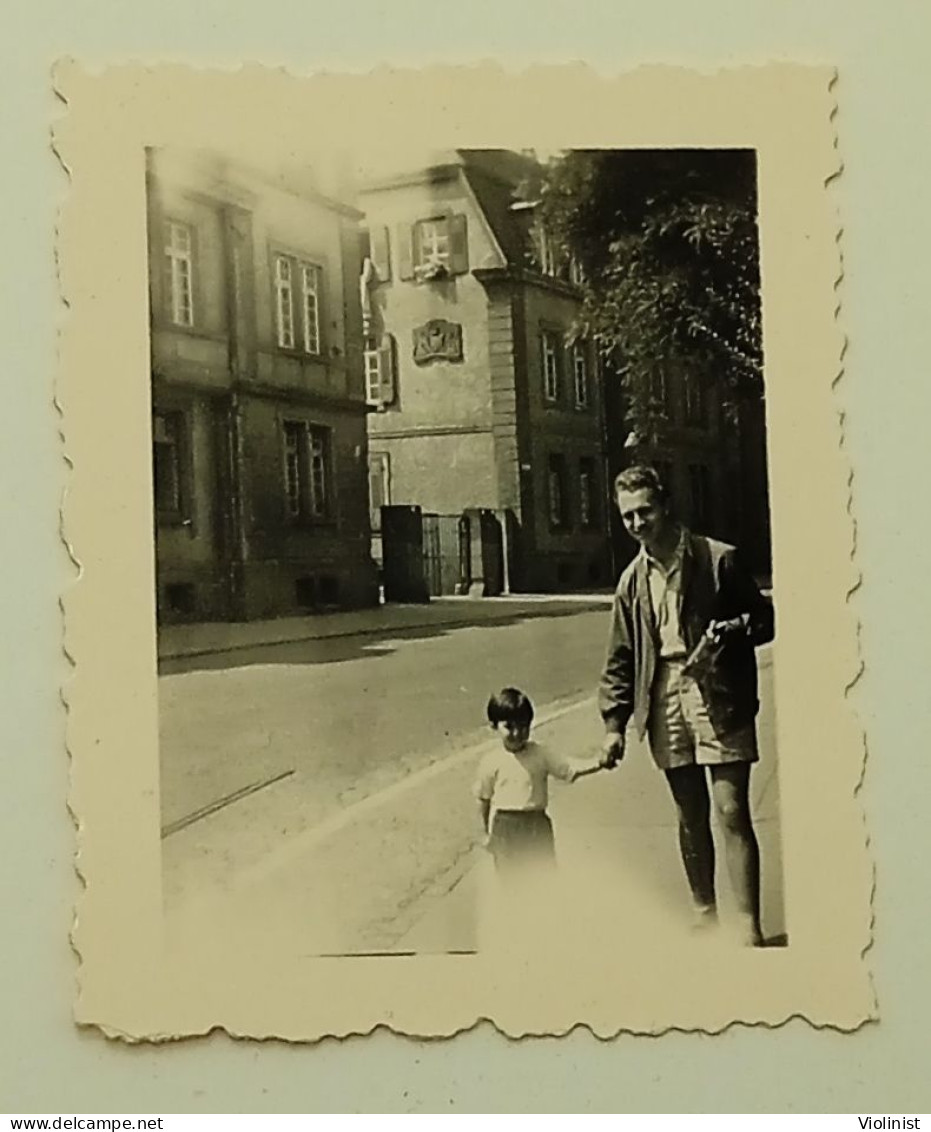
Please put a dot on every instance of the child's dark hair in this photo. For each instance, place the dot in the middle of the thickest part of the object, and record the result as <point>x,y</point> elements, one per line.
<point>510,705</point>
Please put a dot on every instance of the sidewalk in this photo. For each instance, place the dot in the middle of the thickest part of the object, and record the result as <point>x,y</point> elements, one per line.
<point>203,638</point>
<point>364,880</point>
<point>617,846</point>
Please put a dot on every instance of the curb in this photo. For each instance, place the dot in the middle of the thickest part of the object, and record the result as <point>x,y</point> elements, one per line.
<point>449,621</point>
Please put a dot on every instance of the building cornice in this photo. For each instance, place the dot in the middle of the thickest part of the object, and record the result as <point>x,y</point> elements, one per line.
<point>377,433</point>
<point>489,276</point>
<point>215,177</point>
<point>162,381</point>
<point>428,175</point>
<point>292,396</point>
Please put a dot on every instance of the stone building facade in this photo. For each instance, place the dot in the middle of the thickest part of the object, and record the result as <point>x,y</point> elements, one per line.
<point>258,394</point>
<point>481,399</point>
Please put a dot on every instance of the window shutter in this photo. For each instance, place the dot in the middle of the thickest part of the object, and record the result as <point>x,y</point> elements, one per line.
<point>376,485</point>
<point>165,296</point>
<point>195,276</point>
<point>387,370</point>
<point>458,244</point>
<point>327,333</point>
<point>405,251</point>
<point>538,248</point>
<point>381,255</point>
<point>166,280</point>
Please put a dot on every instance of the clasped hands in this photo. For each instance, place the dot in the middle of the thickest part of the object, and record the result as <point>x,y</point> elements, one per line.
<point>612,750</point>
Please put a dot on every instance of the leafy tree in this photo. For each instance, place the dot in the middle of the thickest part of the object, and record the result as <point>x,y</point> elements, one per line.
<point>667,244</point>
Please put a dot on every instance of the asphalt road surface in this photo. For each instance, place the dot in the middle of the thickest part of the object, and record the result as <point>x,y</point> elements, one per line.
<point>260,746</point>
<point>325,786</point>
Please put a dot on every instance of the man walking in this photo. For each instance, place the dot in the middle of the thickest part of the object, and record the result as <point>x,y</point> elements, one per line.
<point>681,663</point>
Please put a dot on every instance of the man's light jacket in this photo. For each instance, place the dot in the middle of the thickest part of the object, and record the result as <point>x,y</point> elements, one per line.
<point>714,587</point>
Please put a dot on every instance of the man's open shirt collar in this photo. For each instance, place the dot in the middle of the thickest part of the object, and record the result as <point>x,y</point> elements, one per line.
<point>652,563</point>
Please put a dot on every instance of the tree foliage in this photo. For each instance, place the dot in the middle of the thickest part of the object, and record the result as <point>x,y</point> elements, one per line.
<point>667,241</point>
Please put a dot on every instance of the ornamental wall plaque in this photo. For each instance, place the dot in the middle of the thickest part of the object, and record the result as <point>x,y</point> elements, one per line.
<point>438,339</point>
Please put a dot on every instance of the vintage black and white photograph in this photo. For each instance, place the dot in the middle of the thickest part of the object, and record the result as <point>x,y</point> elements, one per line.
<point>464,585</point>
<point>462,628</point>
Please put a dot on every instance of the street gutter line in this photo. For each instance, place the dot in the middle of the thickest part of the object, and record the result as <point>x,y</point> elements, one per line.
<point>274,861</point>
<point>221,804</point>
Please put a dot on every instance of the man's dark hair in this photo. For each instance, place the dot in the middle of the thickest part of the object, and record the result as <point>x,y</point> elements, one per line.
<point>640,477</point>
<point>510,705</point>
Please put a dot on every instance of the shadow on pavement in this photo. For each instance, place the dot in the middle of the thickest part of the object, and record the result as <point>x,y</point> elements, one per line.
<point>360,645</point>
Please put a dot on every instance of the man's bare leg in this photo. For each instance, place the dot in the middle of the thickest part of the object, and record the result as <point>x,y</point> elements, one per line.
<point>730,787</point>
<point>690,793</point>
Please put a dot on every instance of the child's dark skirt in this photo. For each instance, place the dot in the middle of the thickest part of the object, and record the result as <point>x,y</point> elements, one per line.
<point>522,838</point>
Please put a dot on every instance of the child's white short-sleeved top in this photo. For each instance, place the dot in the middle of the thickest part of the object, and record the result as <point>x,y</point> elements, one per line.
<point>518,780</point>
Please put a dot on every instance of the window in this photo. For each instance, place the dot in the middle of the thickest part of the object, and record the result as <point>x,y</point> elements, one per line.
<point>556,491</point>
<point>380,368</point>
<point>550,345</point>
<point>284,297</point>
<point>293,445</point>
<point>318,445</point>
<point>432,243</point>
<point>546,252</point>
<point>696,406</point>
<point>700,492</point>
<point>310,277</point>
<point>308,493</point>
<point>180,269</point>
<point>554,261</point>
<point>433,248</point>
<point>297,304</point>
<point>168,465</point>
<point>379,486</point>
<point>580,374</point>
<point>372,374</point>
<point>588,516</point>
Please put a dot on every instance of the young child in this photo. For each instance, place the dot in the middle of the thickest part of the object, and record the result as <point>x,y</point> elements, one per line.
<point>512,786</point>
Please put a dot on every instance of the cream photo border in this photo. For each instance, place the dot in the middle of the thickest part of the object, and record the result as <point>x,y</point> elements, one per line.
<point>127,985</point>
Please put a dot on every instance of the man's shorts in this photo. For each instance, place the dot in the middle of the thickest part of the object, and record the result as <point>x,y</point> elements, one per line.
<point>680,731</point>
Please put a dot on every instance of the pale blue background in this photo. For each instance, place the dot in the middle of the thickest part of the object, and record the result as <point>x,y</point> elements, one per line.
<point>881,48</point>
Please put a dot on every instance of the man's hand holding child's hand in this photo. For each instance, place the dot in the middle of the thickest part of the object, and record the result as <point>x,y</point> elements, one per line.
<point>612,750</point>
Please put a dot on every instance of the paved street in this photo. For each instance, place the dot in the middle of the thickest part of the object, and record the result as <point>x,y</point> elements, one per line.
<point>321,788</point>
<point>343,718</point>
